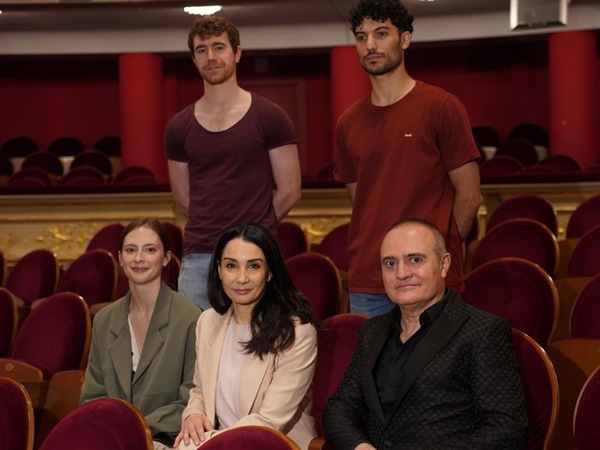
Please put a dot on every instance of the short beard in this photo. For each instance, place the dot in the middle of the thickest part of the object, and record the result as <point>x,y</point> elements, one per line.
<point>217,81</point>
<point>391,65</point>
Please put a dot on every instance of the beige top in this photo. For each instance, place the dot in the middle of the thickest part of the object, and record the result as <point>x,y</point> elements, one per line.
<point>229,379</point>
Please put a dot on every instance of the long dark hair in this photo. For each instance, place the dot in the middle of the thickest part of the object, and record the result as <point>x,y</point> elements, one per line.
<point>272,322</point>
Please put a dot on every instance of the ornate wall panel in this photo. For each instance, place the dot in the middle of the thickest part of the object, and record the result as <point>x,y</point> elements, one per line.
<point>64,223</point>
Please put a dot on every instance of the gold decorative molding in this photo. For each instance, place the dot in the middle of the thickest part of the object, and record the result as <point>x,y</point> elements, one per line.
<point>65,223</point>
<point>68,238</point>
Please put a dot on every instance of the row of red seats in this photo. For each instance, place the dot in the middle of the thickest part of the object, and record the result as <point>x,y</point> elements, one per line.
<point>89,168</point>
<point>23,146</point>
<point>338,338</point>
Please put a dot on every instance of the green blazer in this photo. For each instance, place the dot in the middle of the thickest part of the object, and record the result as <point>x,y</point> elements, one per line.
<point>160,387</point>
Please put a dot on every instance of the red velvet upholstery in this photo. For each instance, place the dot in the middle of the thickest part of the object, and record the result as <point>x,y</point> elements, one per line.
<point>540,387</point>
<point>585,217</point>
<point>335,246</point>
<point>574,361</point>
<point>18,147</point>
<point>522,150</point>
<point>109,145</point>
<point>6,168</point>
<point>531,132</point>
<point>535,171</point>
<point>34,275</point>
<point>517,290</point>
<point>524,207</point>
<point>319,280</point>
<point>291,239</point>
<point>93,275</point>
<point>337,340</point>
<point>175,238</point>
<point>102,424</point>
<point>66,146</point>
<point>46,161</point>
<point>30,176</point>
<point>135,175</point>
<point>30,183</point>
<point>486,136</point>
<point>16,416</point>
<point>95,159</point>
<point>250,437</point>
<point>107,238</point>
<point>139,180</point>
<point>501,165</point>
<point>585,259</point>
<point>9,318</point>
<point>586,424</point>
<point>585,315</point>
<point>83,176</point>
<point>56,335</point>
<point>561,163</point>
<point>593,169</point>
<point>520,238</point>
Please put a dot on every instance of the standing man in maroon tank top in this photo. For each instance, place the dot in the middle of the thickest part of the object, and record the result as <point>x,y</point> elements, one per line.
<point>232,155</point>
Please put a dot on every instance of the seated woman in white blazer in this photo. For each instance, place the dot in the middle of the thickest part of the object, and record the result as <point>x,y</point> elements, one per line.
<point>256,348</point>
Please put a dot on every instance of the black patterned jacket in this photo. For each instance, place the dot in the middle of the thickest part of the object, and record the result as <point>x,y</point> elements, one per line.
<point>461,388</point>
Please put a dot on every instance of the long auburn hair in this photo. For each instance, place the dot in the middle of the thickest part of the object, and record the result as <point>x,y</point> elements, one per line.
<point>272,322</point>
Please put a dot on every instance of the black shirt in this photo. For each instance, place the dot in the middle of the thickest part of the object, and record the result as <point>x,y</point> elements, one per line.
<point>389,368</point>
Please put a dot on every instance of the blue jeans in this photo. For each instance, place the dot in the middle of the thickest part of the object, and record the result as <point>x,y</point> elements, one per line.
<point>370,304</point>
<point>193,277</point>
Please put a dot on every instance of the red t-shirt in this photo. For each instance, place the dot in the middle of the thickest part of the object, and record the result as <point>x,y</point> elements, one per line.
<point>230,175</point>
<point>399,156</point>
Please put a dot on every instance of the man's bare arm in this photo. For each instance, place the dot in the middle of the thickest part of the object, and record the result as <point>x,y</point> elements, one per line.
<point>467,198</point>
<point>180,184</point>
<point>286,173</point>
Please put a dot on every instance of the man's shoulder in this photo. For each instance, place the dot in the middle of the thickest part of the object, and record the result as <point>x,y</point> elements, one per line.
<point>477,317</point>
<point>182,116</point>
<point>263,104</point>
<point>359,107</point>
<point>431,92</point>
<point>379,324</point>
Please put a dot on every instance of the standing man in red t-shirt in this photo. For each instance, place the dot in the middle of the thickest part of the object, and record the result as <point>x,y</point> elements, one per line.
<point>405,150</point>
<point>232,155</point>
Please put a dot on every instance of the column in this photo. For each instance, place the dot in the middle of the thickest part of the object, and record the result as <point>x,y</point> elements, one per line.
<point>573,97</point>
<point>349,82</point>
<point>142,112</point>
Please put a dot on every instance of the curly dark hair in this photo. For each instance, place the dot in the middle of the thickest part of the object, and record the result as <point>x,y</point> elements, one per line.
<point>380,11</point>
<point>272,322</point>
<point>209,26</point>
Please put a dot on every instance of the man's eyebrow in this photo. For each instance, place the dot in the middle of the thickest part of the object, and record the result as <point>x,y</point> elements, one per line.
<point>202,44</point>
<point>411,255</point>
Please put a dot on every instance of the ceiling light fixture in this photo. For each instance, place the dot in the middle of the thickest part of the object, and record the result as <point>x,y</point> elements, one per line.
<point>203,10</point>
